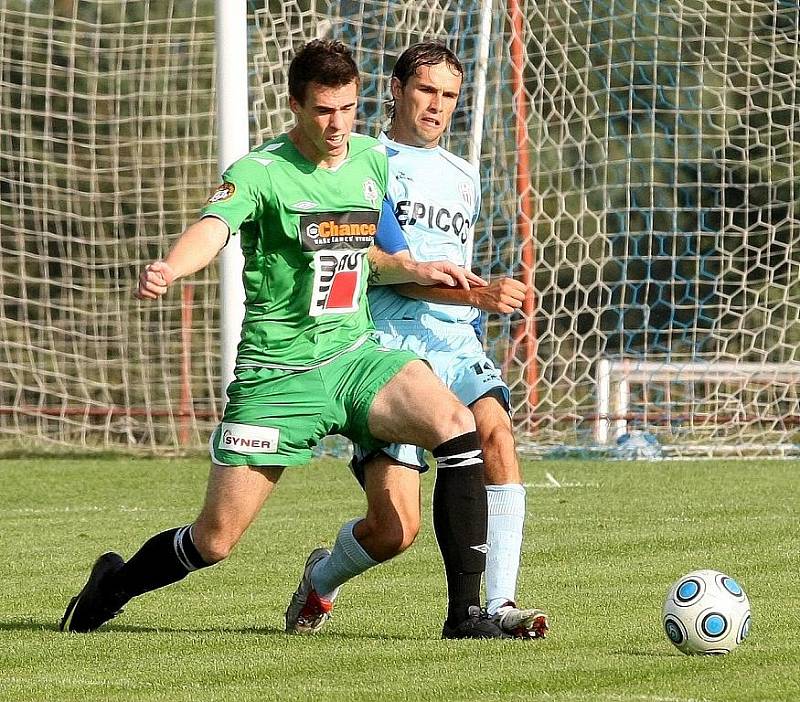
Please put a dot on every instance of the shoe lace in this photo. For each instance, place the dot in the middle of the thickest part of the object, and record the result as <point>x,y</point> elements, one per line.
<point>476,616</point>
<point>315,609</point>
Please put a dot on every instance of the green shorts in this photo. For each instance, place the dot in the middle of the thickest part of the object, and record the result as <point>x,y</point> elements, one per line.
<point>275,417</point>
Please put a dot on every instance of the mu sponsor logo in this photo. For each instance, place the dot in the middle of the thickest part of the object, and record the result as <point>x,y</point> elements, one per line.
<point>338,277</point>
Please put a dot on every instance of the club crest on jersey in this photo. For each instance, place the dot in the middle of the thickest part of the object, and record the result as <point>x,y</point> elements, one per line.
<point>465,189</point>
<point>371,193</point>
<point>338,230</point>
<point>221,193</point>
<point>337,282</point>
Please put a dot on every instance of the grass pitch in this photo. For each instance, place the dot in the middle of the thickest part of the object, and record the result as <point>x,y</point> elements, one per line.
<point>603,542</point>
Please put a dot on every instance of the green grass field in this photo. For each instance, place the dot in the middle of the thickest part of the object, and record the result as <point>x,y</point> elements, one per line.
<point>600,551</point>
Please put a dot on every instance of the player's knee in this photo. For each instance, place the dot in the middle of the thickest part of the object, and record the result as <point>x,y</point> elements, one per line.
<point>497,438</point>
<point>457,420</point>
<point>500,455</point>
<point>213,546</point>
<point>215,551</point>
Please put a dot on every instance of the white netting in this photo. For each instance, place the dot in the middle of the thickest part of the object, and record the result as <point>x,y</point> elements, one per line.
<point>639,161</point>
<point>107,149</point>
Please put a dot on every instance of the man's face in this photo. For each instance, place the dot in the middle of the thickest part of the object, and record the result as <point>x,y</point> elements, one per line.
<point>324,122</point>
<point>424,105</point>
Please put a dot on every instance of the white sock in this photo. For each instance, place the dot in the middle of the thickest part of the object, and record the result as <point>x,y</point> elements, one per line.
<point>347,560</point>
<point>504,536</point>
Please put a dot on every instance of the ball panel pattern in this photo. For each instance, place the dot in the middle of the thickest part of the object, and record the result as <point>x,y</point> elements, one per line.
<point>706,612</point>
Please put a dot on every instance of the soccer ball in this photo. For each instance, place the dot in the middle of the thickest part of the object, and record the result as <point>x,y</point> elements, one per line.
<point>638,444</point>
<point>706,612</point>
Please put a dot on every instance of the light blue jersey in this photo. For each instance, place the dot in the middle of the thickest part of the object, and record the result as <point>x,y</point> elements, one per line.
<point>435,197</point>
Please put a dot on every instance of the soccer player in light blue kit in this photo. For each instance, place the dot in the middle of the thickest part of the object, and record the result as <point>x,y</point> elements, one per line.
<point>435,198</point>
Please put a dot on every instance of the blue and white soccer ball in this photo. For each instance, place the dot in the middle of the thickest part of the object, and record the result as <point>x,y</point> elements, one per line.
<point>637,444</point>
<point>706,612</point>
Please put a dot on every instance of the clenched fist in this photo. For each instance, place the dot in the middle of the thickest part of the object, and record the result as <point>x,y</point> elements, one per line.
<point>154,281</point>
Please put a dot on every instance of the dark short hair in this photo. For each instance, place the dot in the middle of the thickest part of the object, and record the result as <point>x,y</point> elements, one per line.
<point>426,53</point>
<point>322,61</point>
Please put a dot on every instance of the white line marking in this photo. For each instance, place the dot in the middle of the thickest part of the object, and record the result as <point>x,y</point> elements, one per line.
<point>552,480</point>
<point>30,511</point>
<point>554,486</point>
<point>614,697</point>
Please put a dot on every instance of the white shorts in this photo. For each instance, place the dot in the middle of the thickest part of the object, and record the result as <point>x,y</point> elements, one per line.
<point>455,354</point>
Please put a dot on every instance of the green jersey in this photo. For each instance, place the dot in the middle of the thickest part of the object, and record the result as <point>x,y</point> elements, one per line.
<point>304,231</point>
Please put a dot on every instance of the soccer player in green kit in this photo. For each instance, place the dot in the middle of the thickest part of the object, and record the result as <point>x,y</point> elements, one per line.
<point>307,206</point>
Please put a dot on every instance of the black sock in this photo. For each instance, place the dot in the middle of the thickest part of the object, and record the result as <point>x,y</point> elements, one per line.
<point>460,520</point>
<point>163,559</point>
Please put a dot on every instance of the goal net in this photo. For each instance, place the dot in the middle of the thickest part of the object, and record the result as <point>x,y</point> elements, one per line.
<point>640,170</point>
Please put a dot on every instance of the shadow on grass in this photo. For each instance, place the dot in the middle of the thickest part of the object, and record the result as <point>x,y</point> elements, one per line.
<point>31,625</point>
<point>28,625</point>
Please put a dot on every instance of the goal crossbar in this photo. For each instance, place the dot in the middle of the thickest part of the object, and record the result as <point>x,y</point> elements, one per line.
<point>615,379</point>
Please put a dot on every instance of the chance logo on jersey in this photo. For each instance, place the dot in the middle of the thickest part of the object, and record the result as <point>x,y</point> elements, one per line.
<point>338,230</point>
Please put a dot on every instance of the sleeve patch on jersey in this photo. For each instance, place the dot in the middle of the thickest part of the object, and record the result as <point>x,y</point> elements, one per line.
<point>221,193</point>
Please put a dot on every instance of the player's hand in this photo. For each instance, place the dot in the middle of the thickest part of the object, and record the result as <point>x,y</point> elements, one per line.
<point>446,273</point>
<point>154,281</point>
<point>503,295</point>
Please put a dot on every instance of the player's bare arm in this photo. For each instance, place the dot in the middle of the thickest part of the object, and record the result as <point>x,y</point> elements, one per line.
<point>389,269</point>
<point>501,295</point>
<point>195,249</point>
